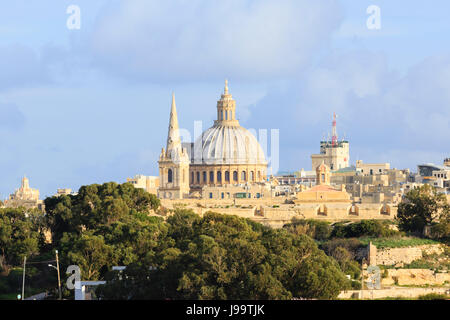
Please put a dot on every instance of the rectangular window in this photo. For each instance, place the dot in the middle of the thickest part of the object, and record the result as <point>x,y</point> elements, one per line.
<point>210,195</point>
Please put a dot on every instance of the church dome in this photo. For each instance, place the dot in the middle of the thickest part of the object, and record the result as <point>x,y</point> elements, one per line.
<point>227,142</point>
<point>228,145</point>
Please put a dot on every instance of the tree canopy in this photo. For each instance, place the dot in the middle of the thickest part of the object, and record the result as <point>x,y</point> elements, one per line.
<point>421,207</point>
<point>227,257</point>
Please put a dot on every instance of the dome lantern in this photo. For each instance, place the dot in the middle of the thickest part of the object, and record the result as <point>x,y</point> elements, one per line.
<point>226,109</point>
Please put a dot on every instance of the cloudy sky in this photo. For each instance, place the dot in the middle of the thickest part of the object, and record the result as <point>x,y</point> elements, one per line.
<point>91,105</point>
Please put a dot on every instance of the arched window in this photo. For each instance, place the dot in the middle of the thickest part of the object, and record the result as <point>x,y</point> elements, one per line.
<point>169,176</point>
<point>198,177</point>
<point>235,176</point>
<point>385,209</point>
<point>243,176</point>
<point>211,177</point>
<point>353,210</point>
<point>252,176</point>
<point>227,176</point>
<point>322,210</point>
<point>204,176</point>
<point>192,177</point>
<point>219,176</point>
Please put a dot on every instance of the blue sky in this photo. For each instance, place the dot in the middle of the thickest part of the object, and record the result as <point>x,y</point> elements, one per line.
<point>92,105</point>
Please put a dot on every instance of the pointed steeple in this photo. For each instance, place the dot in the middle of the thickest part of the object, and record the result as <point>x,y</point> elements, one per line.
<point>226,87</point>
<point>173,136</point>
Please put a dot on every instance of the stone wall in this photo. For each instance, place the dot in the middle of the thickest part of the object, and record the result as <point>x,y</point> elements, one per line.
<point>414,277</point>
<point>392,292</point>
<point>394,256</point>
<point>275,213</point>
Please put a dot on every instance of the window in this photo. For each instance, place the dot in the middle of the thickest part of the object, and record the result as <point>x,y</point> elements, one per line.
<point>198,177</point>
<point>192,177</point>
<point>322,210</point>
<point>244,176</point>
<point>223,195</point>
<point>210,195</point>
<point>353,210</point>
<point>169,176</point>
<point>235,176</point>
<point>211,176</point>
<point>227,176</point>
<point>252,176</point>
<point>219,176</point>
<point>204,176</point>
<point>385,210</point>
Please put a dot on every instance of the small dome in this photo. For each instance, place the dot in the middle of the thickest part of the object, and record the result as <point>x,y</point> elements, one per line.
<point>228,145</point>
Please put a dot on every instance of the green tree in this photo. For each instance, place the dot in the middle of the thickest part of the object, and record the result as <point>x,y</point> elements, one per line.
<point>227,257</point>
<point>89,252</point>
<point>19,236</point>
<point>420,207</point>
<point>94,206</point>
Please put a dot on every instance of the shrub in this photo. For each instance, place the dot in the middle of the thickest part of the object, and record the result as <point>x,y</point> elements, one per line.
<point>367,228</point>
<point>318,230</point>
<point>433,296</point>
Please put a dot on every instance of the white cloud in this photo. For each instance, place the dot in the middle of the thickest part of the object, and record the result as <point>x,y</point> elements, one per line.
<point>379,110</point>
<point>201,39</point>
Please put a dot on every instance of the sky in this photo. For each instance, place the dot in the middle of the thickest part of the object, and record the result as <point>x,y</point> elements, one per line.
<point>91,104</point>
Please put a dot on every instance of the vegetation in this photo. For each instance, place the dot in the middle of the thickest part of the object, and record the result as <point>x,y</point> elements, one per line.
<point>433,296</point>
<point>20,236</point>
<point>186,257</point>
<point>422,207</point>
<point>397,242</point>
<point>226,257</point>
<point>364,228</point>
<point>319,230</point>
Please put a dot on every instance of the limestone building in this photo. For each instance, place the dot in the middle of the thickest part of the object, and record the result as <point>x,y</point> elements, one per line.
<point>333,153</point>
<point>148,183</point>
<point>25,197</point>
<point>323,191</point>
<point>226,154</point>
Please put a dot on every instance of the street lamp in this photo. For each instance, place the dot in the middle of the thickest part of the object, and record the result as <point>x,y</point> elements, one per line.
<point>57,269</point>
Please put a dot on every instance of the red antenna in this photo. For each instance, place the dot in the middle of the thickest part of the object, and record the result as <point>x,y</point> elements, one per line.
<point>334,133</point>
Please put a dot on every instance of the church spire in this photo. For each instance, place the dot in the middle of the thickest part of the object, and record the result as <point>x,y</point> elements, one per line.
<point>173,136</point>
<point>226,87</point>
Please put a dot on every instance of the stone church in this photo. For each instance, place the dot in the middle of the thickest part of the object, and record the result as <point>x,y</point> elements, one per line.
<point>224,155</point>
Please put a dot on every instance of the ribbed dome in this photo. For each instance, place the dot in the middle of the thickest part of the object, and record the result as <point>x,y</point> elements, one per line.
<point>223,144</point>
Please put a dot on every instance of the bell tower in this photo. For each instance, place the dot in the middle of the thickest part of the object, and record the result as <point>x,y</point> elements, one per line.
<point>173,162</point>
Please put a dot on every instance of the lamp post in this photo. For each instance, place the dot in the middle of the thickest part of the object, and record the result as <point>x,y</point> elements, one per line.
<point>23,278</point>
<point>57,269</point>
